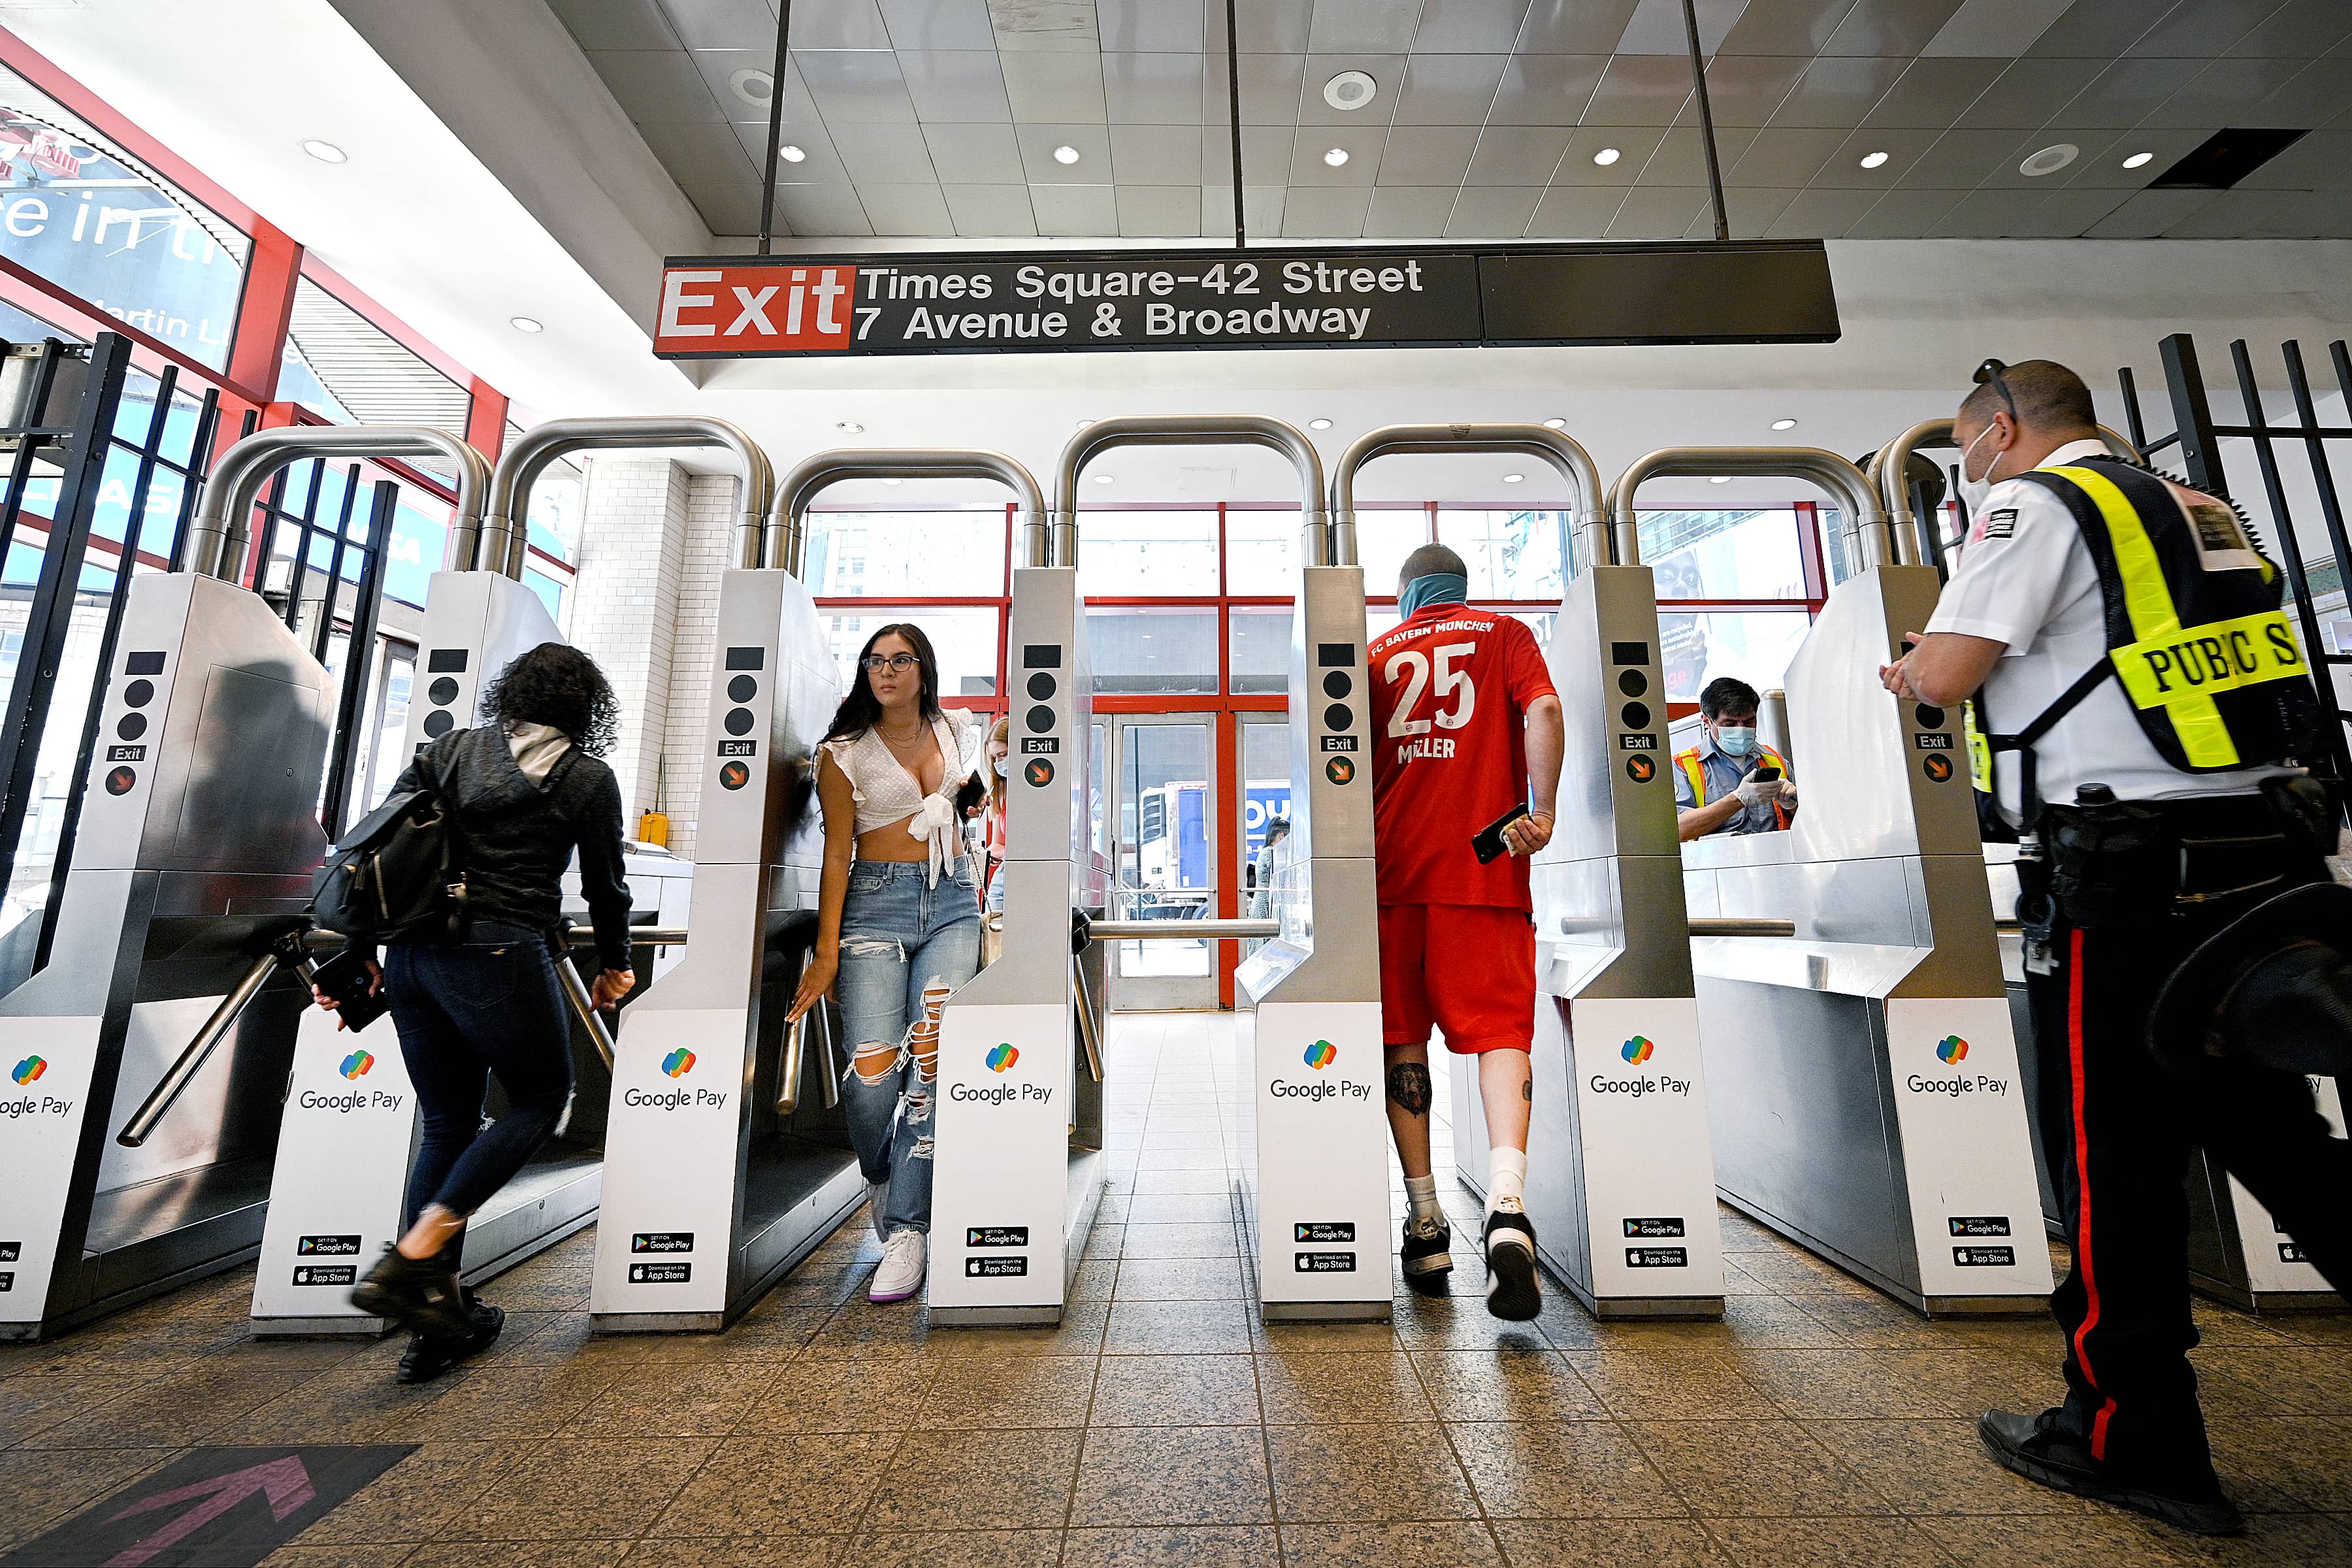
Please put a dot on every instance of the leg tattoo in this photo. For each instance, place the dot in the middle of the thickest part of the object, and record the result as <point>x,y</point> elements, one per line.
<point>1409,1086</point>
<point>1527,1090</point>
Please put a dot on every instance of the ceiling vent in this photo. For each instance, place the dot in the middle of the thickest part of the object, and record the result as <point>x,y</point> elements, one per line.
<point>2224,158</point>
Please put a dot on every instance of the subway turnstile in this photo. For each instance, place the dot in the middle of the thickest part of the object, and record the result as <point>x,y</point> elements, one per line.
<point>1018,1165</point>
<point>349,1125</point>
<point>1314,1147</point>
<point>1866,1092</point>
<point>2237,1252</point>
<point>1621,1176</point>
<point>728,1159</point>
<point>196,844</point>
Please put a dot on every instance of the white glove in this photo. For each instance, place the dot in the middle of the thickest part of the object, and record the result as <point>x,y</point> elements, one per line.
<point>1754,792</point>
<point>1787,792</point>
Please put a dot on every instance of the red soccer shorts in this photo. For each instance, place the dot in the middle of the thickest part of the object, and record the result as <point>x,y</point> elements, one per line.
<point>1470,969</point>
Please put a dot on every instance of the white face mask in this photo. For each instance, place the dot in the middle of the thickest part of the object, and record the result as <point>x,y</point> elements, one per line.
<point>1974,492</point>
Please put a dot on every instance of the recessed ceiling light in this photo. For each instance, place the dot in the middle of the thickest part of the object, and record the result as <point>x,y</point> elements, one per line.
<point>1873,160</point>
<point>1336,156</point>
<point>1102,478</point>
<point>1350,91</point>
<point>1318,425</point>
<point>790,155</point>
<point>753,87</point>
<point>1555,424</point>
<point>524,324</point>
<point>1784,424</point>
<point>1065,154</point>
<point>2139,160</point>
<point>1513,478</point>
<point>1720,479</point>
<point>850,426</point>
<point>2050,160</point>
<point>1606,156</point>
<point>326,151</point>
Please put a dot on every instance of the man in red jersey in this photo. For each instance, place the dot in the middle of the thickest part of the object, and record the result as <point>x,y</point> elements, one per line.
<point>1464,720</point>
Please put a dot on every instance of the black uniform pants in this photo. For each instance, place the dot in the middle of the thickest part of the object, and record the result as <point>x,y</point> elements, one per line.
<point>2118,1130</point>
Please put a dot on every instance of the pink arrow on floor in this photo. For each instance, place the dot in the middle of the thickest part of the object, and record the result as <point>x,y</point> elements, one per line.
<point>283,1481</point>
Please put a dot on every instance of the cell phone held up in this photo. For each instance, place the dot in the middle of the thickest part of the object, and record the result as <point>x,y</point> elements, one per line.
<point>345,978</point>
<point>1488,843</point>
<point>1768,774</point>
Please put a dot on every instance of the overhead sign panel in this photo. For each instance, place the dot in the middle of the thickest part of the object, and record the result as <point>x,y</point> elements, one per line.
<point>1361,297</point>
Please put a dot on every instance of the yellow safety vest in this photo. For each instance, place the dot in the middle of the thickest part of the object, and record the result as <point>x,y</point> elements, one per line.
<point>2206,659</point>
<point>1696,771</point>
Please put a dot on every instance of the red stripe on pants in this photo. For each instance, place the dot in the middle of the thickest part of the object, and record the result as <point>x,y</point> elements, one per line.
<point>2082,1193</point>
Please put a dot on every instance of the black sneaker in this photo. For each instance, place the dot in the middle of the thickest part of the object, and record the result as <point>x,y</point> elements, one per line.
<point>430,1355</point>
<point>1511,1290</point>
<point>422,1296</point>
<point>1427,1255</point>
<point>2034,1447</point>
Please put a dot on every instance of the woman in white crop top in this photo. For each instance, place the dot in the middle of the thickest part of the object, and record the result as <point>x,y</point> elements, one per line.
<point>897,924</point>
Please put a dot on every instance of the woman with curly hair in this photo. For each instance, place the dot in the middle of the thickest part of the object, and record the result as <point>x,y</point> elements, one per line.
<point>529,788</point>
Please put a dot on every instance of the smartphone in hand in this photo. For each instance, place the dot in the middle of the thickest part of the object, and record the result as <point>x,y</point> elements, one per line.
<point>1768,774</point>
<point>346,978</point>
<point>1488,843</point>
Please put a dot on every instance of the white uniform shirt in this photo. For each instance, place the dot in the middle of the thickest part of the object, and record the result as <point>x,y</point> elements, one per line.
<point>2025,578</point>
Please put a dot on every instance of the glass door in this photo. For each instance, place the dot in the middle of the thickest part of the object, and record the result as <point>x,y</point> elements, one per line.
<point>1265,794</point>
<point>1161,787</point>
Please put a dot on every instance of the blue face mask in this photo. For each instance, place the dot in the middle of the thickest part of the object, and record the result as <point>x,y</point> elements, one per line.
<point>1736,740</point>
<point>1436,589</point>
<point>1005,767</point>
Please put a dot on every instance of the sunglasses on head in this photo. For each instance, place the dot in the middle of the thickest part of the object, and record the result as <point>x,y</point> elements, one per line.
<point>1990,374</point>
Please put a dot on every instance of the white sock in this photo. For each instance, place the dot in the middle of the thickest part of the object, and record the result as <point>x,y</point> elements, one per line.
<point>1420,1198</point>
<point>1507,1181</point>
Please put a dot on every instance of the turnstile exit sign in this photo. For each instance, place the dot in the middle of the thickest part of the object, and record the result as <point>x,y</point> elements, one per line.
<point>1751,291</point>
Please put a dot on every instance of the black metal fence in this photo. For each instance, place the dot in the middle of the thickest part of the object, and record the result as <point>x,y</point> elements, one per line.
<point>2194,447</point>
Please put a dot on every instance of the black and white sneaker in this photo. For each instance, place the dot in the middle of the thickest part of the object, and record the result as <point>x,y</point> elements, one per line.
<point>1512,1292</point>
<point>1427,1255</point>
<point>2035,1447</point>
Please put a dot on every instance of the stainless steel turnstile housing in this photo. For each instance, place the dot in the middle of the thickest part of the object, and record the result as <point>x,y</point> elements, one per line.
<point>1866,1094</point>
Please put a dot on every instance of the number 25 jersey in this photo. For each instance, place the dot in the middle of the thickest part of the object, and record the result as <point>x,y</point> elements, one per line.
<point>1450,694</point>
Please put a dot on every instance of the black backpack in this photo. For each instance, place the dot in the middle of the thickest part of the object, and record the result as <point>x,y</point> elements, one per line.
<point>398,874</point>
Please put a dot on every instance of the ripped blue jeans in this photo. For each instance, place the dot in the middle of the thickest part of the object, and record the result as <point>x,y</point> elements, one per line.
<point>905,947</point>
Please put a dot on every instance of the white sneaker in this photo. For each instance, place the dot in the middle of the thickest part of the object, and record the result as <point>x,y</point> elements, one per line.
<point>900,1273</point>
<point>878,1194</point>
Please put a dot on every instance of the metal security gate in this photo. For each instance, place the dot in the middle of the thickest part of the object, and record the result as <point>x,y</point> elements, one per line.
<point>100,469</point>
<point>2199,442</point>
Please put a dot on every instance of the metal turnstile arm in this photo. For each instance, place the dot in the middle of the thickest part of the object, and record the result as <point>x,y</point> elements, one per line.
<point>583,1008</point>
<point>183,1070</point>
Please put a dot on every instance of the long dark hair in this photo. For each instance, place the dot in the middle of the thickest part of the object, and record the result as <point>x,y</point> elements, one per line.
<point>557,685</point>
<point>861,708</point>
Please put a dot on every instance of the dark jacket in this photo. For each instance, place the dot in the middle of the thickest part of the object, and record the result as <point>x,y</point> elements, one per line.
<point>518,836</point>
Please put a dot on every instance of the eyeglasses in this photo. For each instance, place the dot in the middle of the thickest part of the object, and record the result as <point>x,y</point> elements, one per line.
<point>898,661</point>
<point>1990,374</point>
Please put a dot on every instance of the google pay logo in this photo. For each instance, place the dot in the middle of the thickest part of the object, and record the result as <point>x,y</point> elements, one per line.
<point>1003,1056</point>
<point>356,1065</point>
<point>1952,1050</point>
<point>1637,1050</point>
<point>28,1069</point>
<point>678,1063</point>
<point>1321,1054</point>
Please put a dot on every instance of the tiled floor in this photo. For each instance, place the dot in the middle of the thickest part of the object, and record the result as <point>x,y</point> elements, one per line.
<point>1817,1424</point>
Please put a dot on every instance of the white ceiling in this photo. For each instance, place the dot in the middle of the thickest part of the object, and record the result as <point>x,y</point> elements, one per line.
<point>492,175</point>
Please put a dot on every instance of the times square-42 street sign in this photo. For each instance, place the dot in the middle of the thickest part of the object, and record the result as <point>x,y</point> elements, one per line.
<point>1760,292</point>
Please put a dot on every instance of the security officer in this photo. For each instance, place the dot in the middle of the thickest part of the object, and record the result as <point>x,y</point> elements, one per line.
<point>1715,786</point>
<point>2144,698</point>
